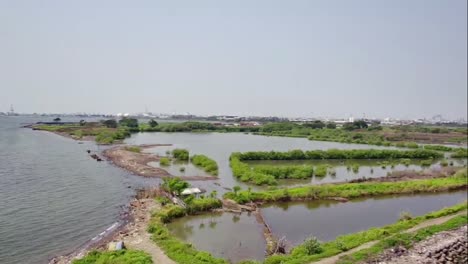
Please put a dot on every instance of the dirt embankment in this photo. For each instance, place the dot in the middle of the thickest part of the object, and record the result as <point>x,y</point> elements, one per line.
<point>137,162</point>
<point>408,175</point>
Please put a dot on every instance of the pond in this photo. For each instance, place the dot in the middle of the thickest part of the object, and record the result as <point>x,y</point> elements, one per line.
<point>327,220</point>
<point>219,147</point>
<point>227,235</point>
<point>239,237</point>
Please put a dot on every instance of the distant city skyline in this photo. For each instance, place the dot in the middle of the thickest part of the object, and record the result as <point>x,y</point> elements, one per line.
<point>338,58</point>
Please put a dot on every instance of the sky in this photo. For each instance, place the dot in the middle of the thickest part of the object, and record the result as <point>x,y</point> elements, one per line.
<point>298,58</point>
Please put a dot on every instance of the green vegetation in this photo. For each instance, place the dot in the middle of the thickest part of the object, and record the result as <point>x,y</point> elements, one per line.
<point>321,170</point>
<point>269,174</point>
<point>300,254</point>
<point>110,136</point>
<point>152,123</point>
<point>353,190</point>
<point>110,123</point>
<point>174,248</point>
<point>174,185</point>
<point>177,250</point>
<point>426,163</point>
<point>129,122</point>
<point>405,239</point>
<point>164,161</point>
<point>208,165</point>
<point>135,149</point>
<point>339,154</point>
<point>116,257</point>
<point>181,154</point>
<point>312,246</point>
<point>460,153</point>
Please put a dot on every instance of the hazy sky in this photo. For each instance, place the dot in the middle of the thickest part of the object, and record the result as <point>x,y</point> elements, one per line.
<point>401,58</point>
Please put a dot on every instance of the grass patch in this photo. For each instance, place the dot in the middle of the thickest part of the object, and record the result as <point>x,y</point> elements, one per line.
<point>405,239</point>
<point>135,149</point>
<point>125,256</point>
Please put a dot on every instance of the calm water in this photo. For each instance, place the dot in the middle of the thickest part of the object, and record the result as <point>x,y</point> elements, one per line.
<point>219,147</point>
<point>53,196</point>
<point>230,236</point>
<point>239,237</point>
<point>327,220</point>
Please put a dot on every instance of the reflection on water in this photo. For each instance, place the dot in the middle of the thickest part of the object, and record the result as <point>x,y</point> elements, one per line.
<point>327,220</point>
<point>227,235</point>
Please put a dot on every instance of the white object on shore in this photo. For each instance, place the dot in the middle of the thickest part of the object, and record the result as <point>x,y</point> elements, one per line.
<point>190,191</point>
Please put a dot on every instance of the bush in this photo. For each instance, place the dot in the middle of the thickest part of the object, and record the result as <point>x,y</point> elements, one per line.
<point>174,185</point>
<point>312,246</point>
<point>164,161</point>
<point>170,211</point>
<point>321,170</point>
<point>181,154</point>
<point>405,216</point>
<point>208,165</point>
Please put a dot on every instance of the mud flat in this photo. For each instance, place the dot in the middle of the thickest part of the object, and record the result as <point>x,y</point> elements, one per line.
<point>138,162</point>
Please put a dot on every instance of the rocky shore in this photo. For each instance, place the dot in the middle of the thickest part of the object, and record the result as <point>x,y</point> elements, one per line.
<point>449,247</point>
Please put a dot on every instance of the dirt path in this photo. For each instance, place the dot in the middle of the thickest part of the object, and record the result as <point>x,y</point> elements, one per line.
<point>138,238</point>
<point>436,221</point>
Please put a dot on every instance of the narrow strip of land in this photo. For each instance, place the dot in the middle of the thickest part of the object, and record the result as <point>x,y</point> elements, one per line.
<point>422,225</point>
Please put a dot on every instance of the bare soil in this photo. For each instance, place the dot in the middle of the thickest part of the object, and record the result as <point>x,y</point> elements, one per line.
<point>137,162</point>
<point>412,175</point>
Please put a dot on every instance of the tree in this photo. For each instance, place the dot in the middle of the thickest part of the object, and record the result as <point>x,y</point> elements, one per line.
<point>331,125</point>
<point>129,122</point>
<point>153,123</point>
<point>82,122</point>
<point>110,123</point>
<point>57,119</point>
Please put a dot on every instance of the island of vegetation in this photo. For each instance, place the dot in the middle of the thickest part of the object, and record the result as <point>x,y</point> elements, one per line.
<point>269,174</point>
